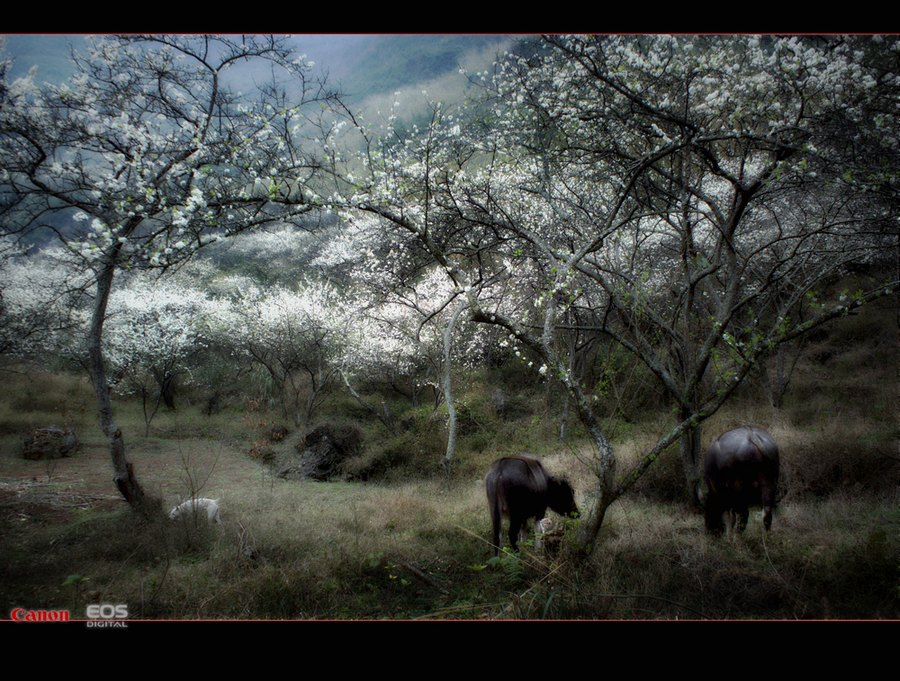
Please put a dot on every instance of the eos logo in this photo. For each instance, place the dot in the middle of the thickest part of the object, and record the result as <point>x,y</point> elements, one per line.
<point>104,615</point>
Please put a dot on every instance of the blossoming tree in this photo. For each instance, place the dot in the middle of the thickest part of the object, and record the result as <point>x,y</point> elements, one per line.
<point>150,153</point>
<point>295,334</point>
<point>407,317</point>
<point>678,196</point>
<point>153,329</point>
<point>40,304</point>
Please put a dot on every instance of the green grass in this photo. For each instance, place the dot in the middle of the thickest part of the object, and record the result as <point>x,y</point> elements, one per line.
<point>823,559</point>
<point>405,544</point>
<point>418,549</point>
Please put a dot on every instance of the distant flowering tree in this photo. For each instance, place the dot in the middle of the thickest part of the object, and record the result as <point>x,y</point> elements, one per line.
<point>145,155</point>
<point>295,335</point>
<point>679,196</point>
<point>399,301</point>
<point>41,303</point>
<point>407,316</point>
<point>273,254</point>
<point>153,329</point>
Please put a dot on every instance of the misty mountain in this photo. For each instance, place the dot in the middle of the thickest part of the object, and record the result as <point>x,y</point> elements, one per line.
<point>367,65</point>
<point>367,69</point>
<point>361,65</point>
<point>50,53</point>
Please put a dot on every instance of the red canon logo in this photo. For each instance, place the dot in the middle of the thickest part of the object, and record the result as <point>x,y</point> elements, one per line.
<point>23,615</point>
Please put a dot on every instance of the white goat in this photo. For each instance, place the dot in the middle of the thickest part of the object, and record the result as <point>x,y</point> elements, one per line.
<point>211,506</point>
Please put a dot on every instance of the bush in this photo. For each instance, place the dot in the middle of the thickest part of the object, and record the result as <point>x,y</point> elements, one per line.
<point>852,455</point>
<point>414,453</point>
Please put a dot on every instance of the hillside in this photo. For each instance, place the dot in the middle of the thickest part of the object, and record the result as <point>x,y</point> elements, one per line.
<point>361,64</point>
<point>407,544</point>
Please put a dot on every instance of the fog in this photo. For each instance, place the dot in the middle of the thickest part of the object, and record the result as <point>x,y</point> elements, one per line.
<point>360,66</point>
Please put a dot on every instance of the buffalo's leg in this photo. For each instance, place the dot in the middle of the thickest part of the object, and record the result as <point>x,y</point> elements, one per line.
<point>742,514</point>
<point>768,501</point>
<point>496,521</point>
<point>515,526</point>
<point>767,518</point>
<point>713,514</point>
<point>496,539</point>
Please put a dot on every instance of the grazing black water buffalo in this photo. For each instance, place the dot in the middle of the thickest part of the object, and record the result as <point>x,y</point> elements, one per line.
<point>519,487</point>
<point>741,470</point>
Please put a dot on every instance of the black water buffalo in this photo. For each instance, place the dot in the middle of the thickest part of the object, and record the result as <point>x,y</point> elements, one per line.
<point>741,470</point>
<point>519,487</point>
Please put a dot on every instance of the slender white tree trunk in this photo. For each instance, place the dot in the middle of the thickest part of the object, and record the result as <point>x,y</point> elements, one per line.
<point>449,455</point>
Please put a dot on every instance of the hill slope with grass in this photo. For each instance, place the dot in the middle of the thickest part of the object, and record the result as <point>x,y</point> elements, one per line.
<point>394,539</point>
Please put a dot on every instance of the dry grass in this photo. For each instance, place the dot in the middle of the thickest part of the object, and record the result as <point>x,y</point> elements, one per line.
<point>284,550</point>
<point>412,549</point>
<point>407,545</point>
<point>823,559</point>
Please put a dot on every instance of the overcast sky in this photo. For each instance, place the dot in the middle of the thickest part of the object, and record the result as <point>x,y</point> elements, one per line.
<point>339,55</point>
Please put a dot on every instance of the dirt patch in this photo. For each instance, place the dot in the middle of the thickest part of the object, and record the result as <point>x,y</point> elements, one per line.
<point>28,501</point>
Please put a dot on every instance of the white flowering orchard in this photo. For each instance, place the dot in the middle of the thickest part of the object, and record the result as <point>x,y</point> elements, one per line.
<point>149,154</point>
<point>292,334</point>
<point>42,312</point>
<point>657,191</point>
<point>154,333</point>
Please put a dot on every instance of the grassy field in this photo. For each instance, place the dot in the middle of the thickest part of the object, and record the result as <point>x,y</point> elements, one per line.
<point>418,548</point>
<point>402,542</point>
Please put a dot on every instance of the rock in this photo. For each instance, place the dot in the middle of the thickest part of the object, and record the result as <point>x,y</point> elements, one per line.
<point>51,443</point>
<point>321,453</point>
<point>278,433</point>
<point>262,450</point>
<point>548,536</point>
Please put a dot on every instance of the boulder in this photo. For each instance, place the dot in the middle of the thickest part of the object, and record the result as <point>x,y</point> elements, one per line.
<point>278,433</point>
<point>321,454</point>
<point>51,443</point>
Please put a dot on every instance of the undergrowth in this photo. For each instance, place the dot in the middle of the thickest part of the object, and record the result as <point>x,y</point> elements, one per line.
<point>401,541</point>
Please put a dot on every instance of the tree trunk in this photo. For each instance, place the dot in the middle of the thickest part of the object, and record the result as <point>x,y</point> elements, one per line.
<point>592,521</point>
<point>384,414</point>
<point>148,412</point>
<point>777,387</point>
<point>564,418</point>
<point>310,405</point>
<point>780,383</point>
<point>291,400</point>
<point>691,458</point>
<point>167,390</point>
<point>448,392</point>
<point>124,477</point>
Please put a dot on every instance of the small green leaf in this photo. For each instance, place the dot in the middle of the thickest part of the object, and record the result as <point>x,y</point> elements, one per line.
<point>73,580</point>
